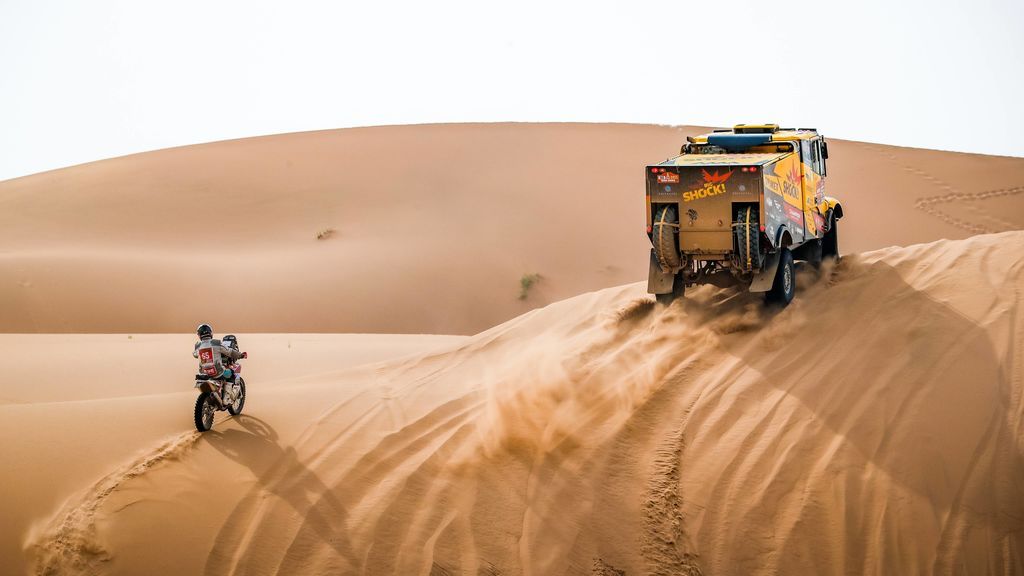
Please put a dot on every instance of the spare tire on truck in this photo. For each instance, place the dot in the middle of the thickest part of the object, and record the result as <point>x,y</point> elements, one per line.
<point>665,237</point>
<point>748,238</point>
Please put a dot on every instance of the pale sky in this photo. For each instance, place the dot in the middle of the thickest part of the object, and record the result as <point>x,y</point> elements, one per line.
<point>82,81</point>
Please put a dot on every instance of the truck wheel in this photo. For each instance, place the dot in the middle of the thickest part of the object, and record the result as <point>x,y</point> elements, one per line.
<point>830,242</point>
<point>784,285</point>
<point>678,289</point>
<point>748,237</point>
<point>665,236</point>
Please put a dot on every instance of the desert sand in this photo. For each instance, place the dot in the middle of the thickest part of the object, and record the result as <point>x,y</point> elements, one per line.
<point>434,226</point>
<point>874,426</point>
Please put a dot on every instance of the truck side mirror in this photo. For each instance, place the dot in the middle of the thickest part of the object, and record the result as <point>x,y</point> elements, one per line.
<point>824,150</point>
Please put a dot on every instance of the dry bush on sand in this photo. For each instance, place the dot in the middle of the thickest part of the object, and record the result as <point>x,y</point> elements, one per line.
<point>527,282</point>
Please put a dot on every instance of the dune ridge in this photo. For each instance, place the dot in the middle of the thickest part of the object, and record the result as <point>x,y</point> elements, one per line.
<point>874,426</point>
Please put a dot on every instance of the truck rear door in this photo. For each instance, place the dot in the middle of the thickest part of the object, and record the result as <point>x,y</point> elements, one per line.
<point>705,196</point>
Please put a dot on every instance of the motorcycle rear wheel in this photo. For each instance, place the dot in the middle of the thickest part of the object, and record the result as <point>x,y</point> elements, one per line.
<point>204,412</point>
<point>236,408</point>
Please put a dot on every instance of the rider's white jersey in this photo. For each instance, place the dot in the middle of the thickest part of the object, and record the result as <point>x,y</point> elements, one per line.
<point>212,355</point>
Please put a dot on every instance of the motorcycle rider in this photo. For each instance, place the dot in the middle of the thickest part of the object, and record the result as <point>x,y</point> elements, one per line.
<point>214,355</point>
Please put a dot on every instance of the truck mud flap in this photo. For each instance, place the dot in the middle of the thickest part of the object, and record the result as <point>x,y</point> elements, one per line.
<point>658,281</point>
<point>764,279</point>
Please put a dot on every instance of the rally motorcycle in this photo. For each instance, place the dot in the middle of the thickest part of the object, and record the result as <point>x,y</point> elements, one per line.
<point>217,394</point>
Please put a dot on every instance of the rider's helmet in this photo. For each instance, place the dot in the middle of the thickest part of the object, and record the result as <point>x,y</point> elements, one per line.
<point>230,341</point>
<point>204,331</point>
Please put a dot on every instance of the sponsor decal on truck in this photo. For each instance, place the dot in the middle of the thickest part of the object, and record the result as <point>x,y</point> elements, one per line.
<point>714,184</point>
<point>794,214</point>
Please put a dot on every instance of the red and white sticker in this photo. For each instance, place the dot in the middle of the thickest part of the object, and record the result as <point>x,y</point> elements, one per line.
<point>668,178</point>
<point>206,358</point>
<point>794,213</point>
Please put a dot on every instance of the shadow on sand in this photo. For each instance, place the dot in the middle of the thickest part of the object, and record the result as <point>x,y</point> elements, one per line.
<point>288,480</point>
<point>916,389</point>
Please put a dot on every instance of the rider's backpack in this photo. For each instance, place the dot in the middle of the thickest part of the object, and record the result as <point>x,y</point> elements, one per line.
<point>209,359</point>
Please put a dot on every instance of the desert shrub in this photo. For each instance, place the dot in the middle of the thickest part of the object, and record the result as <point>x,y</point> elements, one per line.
<point>527,282</point>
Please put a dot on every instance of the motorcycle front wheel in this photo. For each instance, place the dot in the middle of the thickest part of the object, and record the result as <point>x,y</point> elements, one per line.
<point>235,408</point>
<point>205,409</point>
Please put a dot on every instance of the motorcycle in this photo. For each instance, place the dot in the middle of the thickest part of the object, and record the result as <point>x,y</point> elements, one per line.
<point>216,395</point>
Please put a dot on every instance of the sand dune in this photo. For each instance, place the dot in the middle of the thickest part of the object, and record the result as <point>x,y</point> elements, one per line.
<point>434,225</point>
<point>74,410</point>
<point>871,427</point>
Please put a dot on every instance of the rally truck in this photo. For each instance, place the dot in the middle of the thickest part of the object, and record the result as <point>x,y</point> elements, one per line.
<point>739,206</point>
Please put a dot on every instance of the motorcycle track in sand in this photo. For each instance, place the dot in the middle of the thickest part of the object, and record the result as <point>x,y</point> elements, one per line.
<point>873,426</point>
<point>68,543</point>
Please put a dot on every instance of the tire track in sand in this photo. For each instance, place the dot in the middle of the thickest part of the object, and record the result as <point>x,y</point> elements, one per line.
<point>69,543</point>
<point>326,511</point>
<point>663,508</point>
<point>931,204</point>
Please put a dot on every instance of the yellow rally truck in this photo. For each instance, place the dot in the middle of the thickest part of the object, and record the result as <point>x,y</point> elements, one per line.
<point>739,206</point>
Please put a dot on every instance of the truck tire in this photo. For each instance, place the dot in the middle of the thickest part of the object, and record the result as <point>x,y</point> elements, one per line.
<point>665,236</point>
<point>830,242</point>
<point>784,285</point>
<point>747,230</point>
<point>678,289</point>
